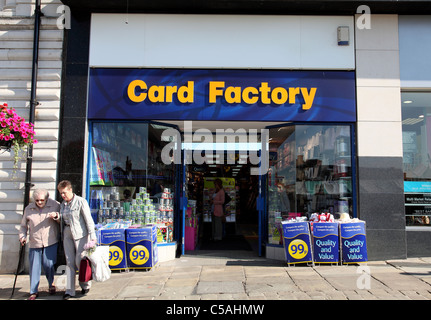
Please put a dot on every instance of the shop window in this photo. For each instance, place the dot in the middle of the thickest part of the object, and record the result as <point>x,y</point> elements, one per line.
<point>310,171</point>
<point>128,181</point>
<point>416,123</point>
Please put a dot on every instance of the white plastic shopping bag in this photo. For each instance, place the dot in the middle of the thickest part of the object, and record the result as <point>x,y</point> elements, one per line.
<point>100,263</point>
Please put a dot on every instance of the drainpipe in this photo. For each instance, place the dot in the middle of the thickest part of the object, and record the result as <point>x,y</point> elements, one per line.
<point>33,102</point>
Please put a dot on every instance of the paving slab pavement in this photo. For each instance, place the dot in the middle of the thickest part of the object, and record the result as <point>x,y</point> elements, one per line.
<point>237,275</point>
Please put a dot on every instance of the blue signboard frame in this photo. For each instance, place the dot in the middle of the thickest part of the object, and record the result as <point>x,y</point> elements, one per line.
<point>228,95</point>
<point>116,240</point>
<point>141,245</point>
<point>353,242</point>
<point>297,242</point>
<point>326,245</point>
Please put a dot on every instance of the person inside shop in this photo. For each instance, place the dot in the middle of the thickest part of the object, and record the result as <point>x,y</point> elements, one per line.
<point>40,224</point>
<point>157,189</point>
<point>127,195</point>
<point>218,210</point>
<point>78,229</point>
<point>284,203</point>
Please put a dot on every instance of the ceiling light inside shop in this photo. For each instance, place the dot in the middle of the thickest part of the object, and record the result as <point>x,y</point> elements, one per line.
<point>159,127</point>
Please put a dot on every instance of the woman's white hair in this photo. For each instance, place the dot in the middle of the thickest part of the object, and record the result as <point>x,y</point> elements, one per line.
<point>40,192</point>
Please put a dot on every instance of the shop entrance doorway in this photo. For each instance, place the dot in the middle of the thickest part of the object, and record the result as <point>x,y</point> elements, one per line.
<point>237,160</point>
<point>240,223</point>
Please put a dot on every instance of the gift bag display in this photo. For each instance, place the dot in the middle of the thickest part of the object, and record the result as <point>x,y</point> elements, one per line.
<point>85,273</point>
<point>100,263</point>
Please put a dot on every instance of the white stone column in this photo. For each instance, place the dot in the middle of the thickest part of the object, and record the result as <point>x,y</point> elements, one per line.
<point>16,54</point>
<point>379,138</point>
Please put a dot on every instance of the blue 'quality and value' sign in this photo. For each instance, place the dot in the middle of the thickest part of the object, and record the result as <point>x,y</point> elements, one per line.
<point>326,242</point>
<point>353,242</point>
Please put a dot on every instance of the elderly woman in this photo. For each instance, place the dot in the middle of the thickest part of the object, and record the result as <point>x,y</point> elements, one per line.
<point>78,229</point>
<point>39,224</point>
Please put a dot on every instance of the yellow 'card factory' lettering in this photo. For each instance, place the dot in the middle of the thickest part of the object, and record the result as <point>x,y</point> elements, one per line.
<point>185,94</point>
<point>264,94</point>
<point>138,91</point>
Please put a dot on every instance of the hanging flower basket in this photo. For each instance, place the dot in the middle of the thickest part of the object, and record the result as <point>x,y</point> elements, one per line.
<point>15,133</point>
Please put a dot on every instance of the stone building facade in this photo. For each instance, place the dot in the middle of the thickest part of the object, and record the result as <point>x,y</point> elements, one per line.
<point>16,55</point>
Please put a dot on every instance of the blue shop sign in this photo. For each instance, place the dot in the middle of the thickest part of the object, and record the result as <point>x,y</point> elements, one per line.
<point>417,186</point>
<point>246,95</point>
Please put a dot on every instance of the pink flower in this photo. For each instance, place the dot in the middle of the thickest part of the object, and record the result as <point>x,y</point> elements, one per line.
<point>13,127</point>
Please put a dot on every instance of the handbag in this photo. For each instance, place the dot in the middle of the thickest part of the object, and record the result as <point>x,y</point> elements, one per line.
<point>85,272</point>
<point>100,263</point>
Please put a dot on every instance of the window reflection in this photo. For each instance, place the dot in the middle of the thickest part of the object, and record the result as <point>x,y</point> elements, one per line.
<point>310,171</point>
<point>128,180</point>
<point>416,123</point>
